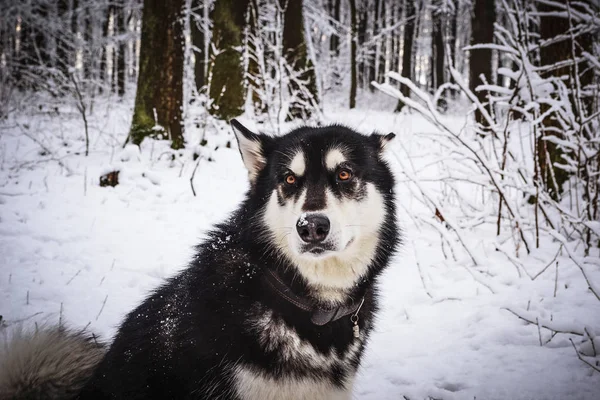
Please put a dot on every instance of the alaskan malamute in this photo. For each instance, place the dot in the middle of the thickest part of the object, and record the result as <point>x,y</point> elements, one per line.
<point>278,302</point>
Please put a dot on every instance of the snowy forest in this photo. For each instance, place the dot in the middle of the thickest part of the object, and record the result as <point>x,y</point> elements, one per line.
<point>116,157</point>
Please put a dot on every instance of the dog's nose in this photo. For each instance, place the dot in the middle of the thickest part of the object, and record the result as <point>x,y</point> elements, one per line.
<point>313,228</point>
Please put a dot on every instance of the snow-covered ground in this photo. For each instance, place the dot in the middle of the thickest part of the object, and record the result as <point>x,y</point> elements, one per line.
<point>85,254</point>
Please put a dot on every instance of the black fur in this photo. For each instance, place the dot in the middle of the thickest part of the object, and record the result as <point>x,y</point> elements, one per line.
<point>181,342</point>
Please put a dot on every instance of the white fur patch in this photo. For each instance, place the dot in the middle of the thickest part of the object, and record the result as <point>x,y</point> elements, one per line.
<point>298,165</point>
<point>334,158</point>
<point>274,335</point>
<point>252,155</point>
<point>354,233</point>
<point>254,385</point>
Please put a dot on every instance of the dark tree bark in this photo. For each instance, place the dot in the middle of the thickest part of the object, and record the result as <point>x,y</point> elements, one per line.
<point>104,55</point>
<point>227,83</point>
<point>89,61</point>
<point>438,18</point>
<point>383,24</point>
<point>334,41</point>
<point>353,39</point>
<point>296,55</point>
<point>62,51</point>
<point>255,79</point>
<point>407,47</point>
<point>552,26</point>
<point>197,36</point>
<point>160,82</point>
<point>121,47</point>
<point>480,61</point>
<point>376,24</point>
<point>452,39</point>
<point>361,36</point>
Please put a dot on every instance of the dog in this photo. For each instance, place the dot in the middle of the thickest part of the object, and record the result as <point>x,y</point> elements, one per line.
<point>278,302</point>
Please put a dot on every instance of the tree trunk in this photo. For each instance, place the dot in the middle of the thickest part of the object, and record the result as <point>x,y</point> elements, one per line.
<point>334,41</point>
<point>353,38</point>
<point>551,27</point>
<point>104,54</point>
<point>296,55</point>
<point>197,35</point>
<point>407,49</point>
<point>227,82</point>
<point>437,42</point>
<point>480,61</point>
<point>453,93</point>
<point>375,61</point>
<point>121,47</point>
<point>62,51</point>
<point>255,78</point>
<point>160,82</point>
<point>438,18</point>
<point>382,44</point>
<point>361,36</point>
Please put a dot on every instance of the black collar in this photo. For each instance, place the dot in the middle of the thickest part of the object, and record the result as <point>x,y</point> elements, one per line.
<point>319,315</point>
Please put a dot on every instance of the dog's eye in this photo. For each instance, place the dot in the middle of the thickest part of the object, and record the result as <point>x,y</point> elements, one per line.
<point>344,175</point>
<point>290,179</point>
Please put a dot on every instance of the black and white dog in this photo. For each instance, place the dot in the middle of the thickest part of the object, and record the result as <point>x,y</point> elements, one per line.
<point>278,302</point>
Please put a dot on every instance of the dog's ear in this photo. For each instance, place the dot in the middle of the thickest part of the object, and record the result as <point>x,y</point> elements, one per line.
<point>383,140</point>
<point>251,148</point>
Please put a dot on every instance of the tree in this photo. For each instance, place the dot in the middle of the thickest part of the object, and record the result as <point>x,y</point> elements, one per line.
<point>353,54</point>
<point>197,34</point>
<point>480,60</point>
<point>439,18</point>
<point>227,82</point>
<point>334,41</point>
<point>407,48</point>
<point>559,50</point>
<point>304,85</point>
<point>159,95</point>
<point>438,46</point>
<point>121,48</point>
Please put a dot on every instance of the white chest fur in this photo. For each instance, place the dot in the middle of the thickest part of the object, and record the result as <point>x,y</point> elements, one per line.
<point>255,385</point>
<point>294,357</point>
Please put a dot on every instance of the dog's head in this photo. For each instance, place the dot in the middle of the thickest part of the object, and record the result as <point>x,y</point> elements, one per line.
<point>326,198</point>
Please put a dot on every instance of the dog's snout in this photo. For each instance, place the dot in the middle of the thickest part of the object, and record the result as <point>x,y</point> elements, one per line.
<point>313,228</point>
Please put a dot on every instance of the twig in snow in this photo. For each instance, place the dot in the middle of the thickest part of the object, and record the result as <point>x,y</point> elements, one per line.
<point>591,340</point>
<point>27,301</point>
<point>193,174</point>
<point>548,265</point>
<point>101,309</point>
<point>518,265</point>
<point>74,276</point>
<point>583,359</point>
<point>556,280</point>
<point>81,107</point>
<point>421,272</point>
<point>60,315</point>
<point>545,325</point>
<point>551,337</point>
<point>537,322</point>
<point>572,256</point>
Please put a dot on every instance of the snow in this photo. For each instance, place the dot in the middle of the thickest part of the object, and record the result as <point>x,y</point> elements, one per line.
<point>85,254</point>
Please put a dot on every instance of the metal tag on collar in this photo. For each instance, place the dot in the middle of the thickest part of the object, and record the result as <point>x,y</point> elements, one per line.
<point>354,320</point>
